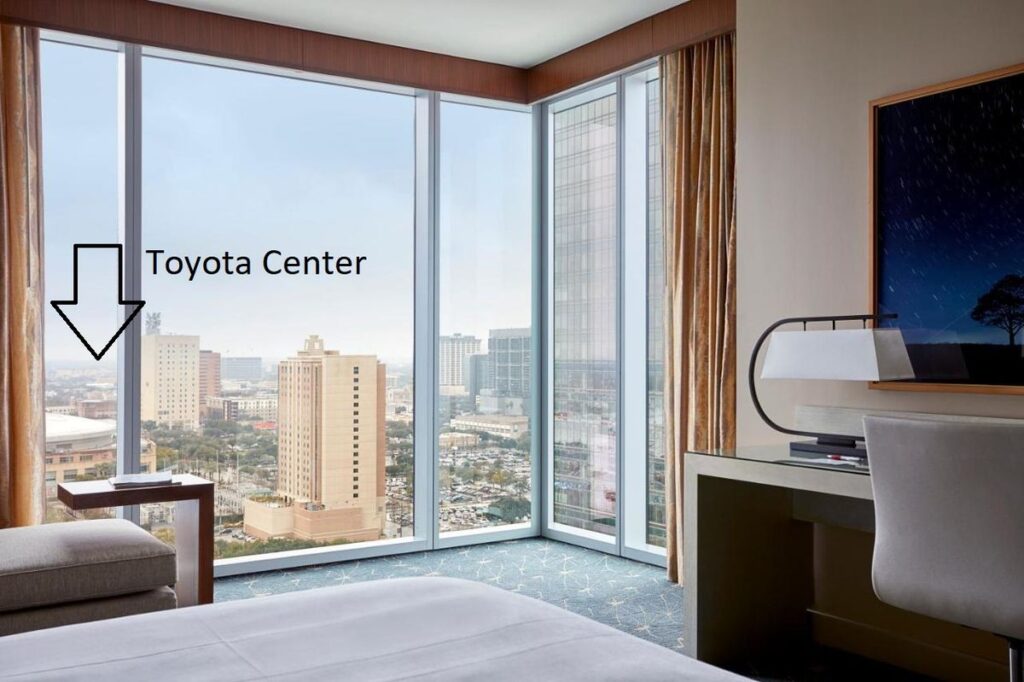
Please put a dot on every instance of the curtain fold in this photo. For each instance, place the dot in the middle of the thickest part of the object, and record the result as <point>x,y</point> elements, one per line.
<point>22,427</point>
<point>698,146</point>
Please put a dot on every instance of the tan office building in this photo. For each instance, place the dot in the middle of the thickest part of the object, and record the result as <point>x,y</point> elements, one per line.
<point>331,446</point>
<point>170,380</point>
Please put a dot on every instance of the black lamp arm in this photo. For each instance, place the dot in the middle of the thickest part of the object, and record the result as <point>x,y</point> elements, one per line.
<point>751,377</point>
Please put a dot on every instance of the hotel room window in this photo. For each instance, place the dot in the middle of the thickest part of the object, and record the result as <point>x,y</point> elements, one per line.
<point>655,323</point>
<point>79,111</point>
<point>584,364</point>
<point>266,367</point>
<point>484,349</point>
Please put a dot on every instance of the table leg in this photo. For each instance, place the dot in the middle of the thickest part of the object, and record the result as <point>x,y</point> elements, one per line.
<point>748,571</point>
<point>193,541</point>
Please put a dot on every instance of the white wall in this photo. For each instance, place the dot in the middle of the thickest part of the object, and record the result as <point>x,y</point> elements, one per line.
<point>806,70</point>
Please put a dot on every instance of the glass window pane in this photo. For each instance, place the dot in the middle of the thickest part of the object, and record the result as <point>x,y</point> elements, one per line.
<point>80,194</point>
<point>585,282</point>
<point>485,317</point>
<point>282,368</point>
<point>655,324</point>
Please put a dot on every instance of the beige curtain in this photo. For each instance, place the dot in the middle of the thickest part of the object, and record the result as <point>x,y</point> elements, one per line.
<point>699,140</point>
<point>22,437</point>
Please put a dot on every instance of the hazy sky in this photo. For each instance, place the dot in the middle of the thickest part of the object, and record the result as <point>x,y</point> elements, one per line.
<point>243,163</point>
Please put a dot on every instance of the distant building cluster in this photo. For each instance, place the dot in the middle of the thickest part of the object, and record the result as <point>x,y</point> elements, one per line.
<point>183,385</point>
<point>323,447</point>
<point>495,382</point>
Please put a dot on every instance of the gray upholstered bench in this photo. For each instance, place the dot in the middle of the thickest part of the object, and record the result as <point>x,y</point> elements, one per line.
<point>66,573</point>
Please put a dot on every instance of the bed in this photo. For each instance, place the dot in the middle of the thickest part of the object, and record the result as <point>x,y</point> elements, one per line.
<point>405,629</point>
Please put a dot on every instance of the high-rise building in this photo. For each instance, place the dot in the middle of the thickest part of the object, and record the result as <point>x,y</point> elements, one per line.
<point>585,281</point>
<point>169,392</point>
<point>452,352</point>
<point>209,375</point>
<point>655,324</point>
<point>331,446</point>
<point>509,351</point>
<point>477,374</point>
<point>241,368</point>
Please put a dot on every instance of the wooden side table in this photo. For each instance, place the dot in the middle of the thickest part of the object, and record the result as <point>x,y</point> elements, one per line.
<point>193,524</point>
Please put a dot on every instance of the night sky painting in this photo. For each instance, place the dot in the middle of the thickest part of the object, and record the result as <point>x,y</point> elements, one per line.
<point>950,230</point>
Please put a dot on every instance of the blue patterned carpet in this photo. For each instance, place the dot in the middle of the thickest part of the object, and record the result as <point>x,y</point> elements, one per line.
<point>625,594</point>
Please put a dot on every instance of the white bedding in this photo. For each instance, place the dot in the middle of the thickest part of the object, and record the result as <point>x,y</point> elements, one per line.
<point>406,629</point>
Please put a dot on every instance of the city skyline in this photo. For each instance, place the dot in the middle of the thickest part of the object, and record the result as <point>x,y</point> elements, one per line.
<point>109,362</point>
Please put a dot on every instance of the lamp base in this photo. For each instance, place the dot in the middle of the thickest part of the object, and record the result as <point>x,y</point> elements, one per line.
<point>818,449</point>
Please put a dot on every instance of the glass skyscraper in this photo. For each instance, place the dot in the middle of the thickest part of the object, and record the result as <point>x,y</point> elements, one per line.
<point>655,324</point>
<point>584,371</point>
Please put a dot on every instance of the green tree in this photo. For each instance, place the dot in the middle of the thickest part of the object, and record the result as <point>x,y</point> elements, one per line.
<point>500,477</point>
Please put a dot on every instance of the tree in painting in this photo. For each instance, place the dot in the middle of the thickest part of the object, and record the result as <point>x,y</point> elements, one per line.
<point>949,189</point>
<point>1002,306</point>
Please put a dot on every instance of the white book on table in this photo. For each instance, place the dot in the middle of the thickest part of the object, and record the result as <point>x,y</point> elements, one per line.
<point>140,480</point>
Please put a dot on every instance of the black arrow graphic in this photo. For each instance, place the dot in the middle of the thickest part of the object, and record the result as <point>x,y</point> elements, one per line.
<point>137,305</point>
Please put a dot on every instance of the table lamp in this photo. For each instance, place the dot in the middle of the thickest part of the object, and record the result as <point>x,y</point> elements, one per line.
<point>866,354</point>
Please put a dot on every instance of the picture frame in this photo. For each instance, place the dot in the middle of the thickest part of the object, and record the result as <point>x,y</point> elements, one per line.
<point>967,373</point>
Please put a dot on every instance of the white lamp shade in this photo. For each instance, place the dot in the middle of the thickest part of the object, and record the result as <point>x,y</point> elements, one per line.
<point>840,354</point>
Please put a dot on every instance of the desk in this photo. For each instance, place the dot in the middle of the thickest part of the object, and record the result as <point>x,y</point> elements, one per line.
<point>748,552</point>
<point>193,524</point>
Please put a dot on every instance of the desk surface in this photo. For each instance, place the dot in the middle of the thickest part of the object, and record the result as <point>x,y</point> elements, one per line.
<point>780,454</point>
<point>92,494</point>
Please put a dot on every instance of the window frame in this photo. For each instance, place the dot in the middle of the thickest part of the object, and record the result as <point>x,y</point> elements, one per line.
<point>426,535</point>
<point>513,531</point>
<point>630,537</point>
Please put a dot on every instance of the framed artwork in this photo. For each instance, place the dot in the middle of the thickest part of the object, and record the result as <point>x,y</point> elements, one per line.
<point>947,230</point>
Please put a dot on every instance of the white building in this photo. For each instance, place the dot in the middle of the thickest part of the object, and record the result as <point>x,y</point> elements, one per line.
<point>452,353</point>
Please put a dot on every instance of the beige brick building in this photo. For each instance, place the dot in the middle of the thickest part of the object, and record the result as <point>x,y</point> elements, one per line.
<point>331,445</point>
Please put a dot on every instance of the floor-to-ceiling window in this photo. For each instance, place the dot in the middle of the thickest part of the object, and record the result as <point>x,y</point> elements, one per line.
<point>584,283</point>
<point>306,246</point>
<point>485,393</point>
<point>274,222</point>
<point>279,363</point>
<point>605,306</point>
<point>79,88</point>
<point>655,321</point>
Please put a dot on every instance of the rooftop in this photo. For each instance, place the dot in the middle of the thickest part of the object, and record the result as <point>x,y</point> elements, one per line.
<point>65,427</point>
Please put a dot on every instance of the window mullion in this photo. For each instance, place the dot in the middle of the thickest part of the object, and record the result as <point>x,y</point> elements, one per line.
<point>426,316</point>
<point>538,344</point>
<point>129,234</point>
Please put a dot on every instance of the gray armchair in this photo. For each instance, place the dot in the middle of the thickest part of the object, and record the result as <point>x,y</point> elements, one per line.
<point>949,522</point>
<point>64,573</point>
